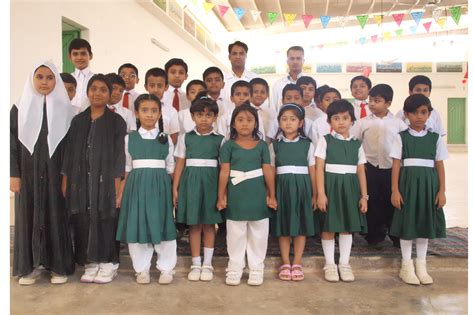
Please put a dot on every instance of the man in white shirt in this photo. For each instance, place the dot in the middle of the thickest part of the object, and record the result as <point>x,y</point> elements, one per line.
<point>177,72</point>
<point>80,54</point>
<point>129,74</point>
<point>118,86</point>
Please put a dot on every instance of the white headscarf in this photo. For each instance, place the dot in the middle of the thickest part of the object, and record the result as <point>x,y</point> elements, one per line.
<point>30,112</point>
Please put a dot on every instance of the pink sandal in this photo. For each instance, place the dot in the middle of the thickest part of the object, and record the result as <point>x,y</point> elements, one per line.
<point>297,273</point>
<point>285,272</point>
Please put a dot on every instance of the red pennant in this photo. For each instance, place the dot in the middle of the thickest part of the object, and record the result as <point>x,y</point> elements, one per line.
<point>306,19</point>
<point>222,9</point>
<point>374,38</point>
<point>427,26</point>
<point>398,18</point>
<point>366,72</point>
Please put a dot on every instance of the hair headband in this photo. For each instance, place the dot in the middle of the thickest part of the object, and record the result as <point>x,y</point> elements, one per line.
<point>291,105</point>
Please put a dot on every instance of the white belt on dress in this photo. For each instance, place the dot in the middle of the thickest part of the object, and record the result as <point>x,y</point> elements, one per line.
<point>292,169</point>
<point>418,162</point>
<point>341,168</point>
<point>239,176</point>
<point>201,162</point>
<point>144,163</point>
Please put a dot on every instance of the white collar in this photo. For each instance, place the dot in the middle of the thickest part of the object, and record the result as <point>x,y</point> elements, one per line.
<point>213,131</point>
<point>282,137</point>
<point>153,132</point>
<point>132,91</point>
<point>358,102</point>
<point>389,115</point>
<point>299,75</point>
<point>172,88</point>
<point>245,75</point>
<point>86,71</point>
<point>219,98</point>
<point>421,133</point>
<point>340,137</point>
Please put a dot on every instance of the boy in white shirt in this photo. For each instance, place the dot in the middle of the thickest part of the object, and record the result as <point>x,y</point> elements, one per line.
<point>320,126</point>
<point>177,72</point>
<point>214,80</point>
<point>118,86</point>
<point>185,120</point>
<point>360,86</point>
<point>129,74</point>
<point>309,86</point>
<point>259,91</point>
<point>70,84</point>
<point>80,54</point>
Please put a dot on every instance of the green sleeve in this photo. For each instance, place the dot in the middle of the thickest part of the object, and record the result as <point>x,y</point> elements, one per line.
<point>225,152</point>
<point>265,153</point>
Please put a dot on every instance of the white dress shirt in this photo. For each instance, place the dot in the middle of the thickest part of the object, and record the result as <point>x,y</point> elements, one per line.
<point>434,122</point>
<point>321,148</point>
<point>169,95</point>
<point>230,78</point>
<point>81,101</point>
<point>267,113</point>
<point>313,112</point>
<point>180,151</point>
<point>132,96</point>
<point>441,148</point>
<point>127,115</point>
<point>278,89</point>
<point>311,158</point>
<point>357,109</point>
<point>319,128</point>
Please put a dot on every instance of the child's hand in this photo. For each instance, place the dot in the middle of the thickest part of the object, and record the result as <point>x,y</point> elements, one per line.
<point>175,198</point>
<point>314,203</point>
<point>363,205</point>
<point>221,204</point>
<point>322,202</point>
<point>118,200</point>
<point>440,200</point>
<point>15,184</point>
<point>397,200</point>
<point>272,202</point>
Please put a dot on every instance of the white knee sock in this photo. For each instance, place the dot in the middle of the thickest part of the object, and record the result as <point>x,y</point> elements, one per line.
<point>328,249</point>
<point>345,244</point>
<point>208,252</point>
<point>196,261</point>
<point>421,248</point>
<point>405,246</point>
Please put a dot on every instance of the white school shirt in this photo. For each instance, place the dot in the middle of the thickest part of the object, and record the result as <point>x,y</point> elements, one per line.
<point>80,100</point>
<point>170,118</point>
<point>441,148</point>
<point>150,134</point>
<point>127,115</point>
<point>319,128</point>
<point>132,96</point>
<point>312,111</point>
<point>180,151</point>
<point>322,145</point>
<point>223,125</point>
<point>273,129</point>
<point>186,122</point>
<point>169,95</point>
<point>434,122</point>
<point>223,104</point>
<point>268,114</point>
<point>230,78</point>
<point>311,159</point>
<point>377,136</point>
<point>277,89</point>
<point>357,108</point>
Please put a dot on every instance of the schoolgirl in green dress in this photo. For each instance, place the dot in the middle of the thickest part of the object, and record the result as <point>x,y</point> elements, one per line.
<point>195,184</point>
<point>292,156</point>
<point>342,189</point>
<point>146,214</point>
<point>246,191</point>
<point>418,188</point>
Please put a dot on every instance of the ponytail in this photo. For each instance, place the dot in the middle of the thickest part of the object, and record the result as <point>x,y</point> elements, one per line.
<point>162,137</point>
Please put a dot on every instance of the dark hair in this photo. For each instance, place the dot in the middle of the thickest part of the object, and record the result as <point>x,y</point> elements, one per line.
<point>201,102</point>
<point>258,81</point>
<point>78,43</point>
<point>245,107</point>
<point>102,78</point>
<point>240,83</point>
<point>195,82</point>
<point>115,79</point>
<point>210,70</point>
<point>340,106</point>
<point>298,48</point>
<point>68,78</point>
<point>176,62</point>
<point>306,80</point>
<point>291,87</point>
<point>419,79</point>
<point>363,78</point>
<point>414,101</point>
<point>238,43</point>
<point>327,90</point>
<point>298,111</point>
<point>382,90</point>
<point>162,137</point>
<point>128,65</point>
<point>156,72</point>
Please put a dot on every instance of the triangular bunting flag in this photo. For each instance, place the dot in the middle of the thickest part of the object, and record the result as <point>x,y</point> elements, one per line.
<point>417,17</point>
<point>208,6</point>
<point>455,13</point>
<point>342,20</point>
<point>466,77</point>
<point>255,14</point>
<point>325,20</point>
<point>306,19</point>
<point>239,12</point>
<point>374,38</point>
<point>436,14</point>
<point>320,46</point>
<point>289,18</point>
<point>367,71</point>
<point>399,32</point>
<point>362,20</point>
<point>398,17</point>
<point>386,35</point>
<point>272,16</point>
<point>427,26</point>
<point>413,29</point>
<point>222,9</point>
<point>442,22</point>
<point>362,40</point>
<point>378,19</point>
<point>194,2</point>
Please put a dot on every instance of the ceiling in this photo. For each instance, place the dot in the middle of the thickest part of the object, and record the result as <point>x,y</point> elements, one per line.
<point>348,9</point>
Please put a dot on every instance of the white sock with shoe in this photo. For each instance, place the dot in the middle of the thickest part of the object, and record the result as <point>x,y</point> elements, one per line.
<point>345,245</point>
<point>420,263</point>
<point>407,270</point>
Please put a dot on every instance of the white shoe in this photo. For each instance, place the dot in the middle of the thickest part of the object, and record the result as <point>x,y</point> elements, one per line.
<point>330,273</point>
<point>31,278</point>
<point>206,273</point>
<point>407,273</point>
<point>255,277</point>
<point>422,273</point>
<point>345,272</point>
<point>57,278</point>
<point>166,277</point>
<point>142,277</point>
<point>233,277</point>
<point>195,273</point>
<point>90,272</point>
<point>105,276</point>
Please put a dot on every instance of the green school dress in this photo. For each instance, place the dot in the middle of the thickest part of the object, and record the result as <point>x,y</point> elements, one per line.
<point>146,213</point>
<point>419,216</point>
<point>294,215</point>
<point>197,196</point>
<point>342,190</point>
<point>246,201</point>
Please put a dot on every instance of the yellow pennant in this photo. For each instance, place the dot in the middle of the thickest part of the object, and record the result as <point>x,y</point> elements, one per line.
<point>386,35</point>
<point>289,18</point>
<point>208,6</point>
<point>378,19</point>
<point>442,22</point>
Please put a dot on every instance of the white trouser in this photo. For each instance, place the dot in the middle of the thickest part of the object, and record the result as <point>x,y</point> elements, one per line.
<point>103,266</point>
<point>142,253</point>
<point>250,237</point>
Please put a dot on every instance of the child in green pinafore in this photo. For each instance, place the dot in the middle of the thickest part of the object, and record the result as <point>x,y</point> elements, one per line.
<point>418,188</point>
<point>195,184</point>
<point>146,214</point>
<point>342,189</point>
<point>292,155</point>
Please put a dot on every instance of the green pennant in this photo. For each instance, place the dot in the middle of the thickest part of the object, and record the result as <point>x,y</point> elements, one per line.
<point>362,20</point>
<point>399,32</point>
<point>272,16</point>
<point>455,13</point>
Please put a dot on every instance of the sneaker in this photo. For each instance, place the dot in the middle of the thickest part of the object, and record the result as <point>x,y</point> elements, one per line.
<point>90,273</point>
<point>330,273</point>
<point>195,273</point>
<point>233,277</point>
<point>255,277</point>
<point>166,277</point>
<point>345,272</point>
<point>142,277</point>
<point>207,273</point>
<point>31,278</point>
<point>422,273</point>
<point>407,273</point>
<point>105,276</point>
<point>57,278</point>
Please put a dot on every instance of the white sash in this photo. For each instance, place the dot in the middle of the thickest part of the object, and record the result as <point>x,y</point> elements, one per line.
<point>144,163</point>
<point>418,162</point>
<point>341,168</point>
<point>201,162</point>
<point>292,169</point>
<point>239,176</point>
